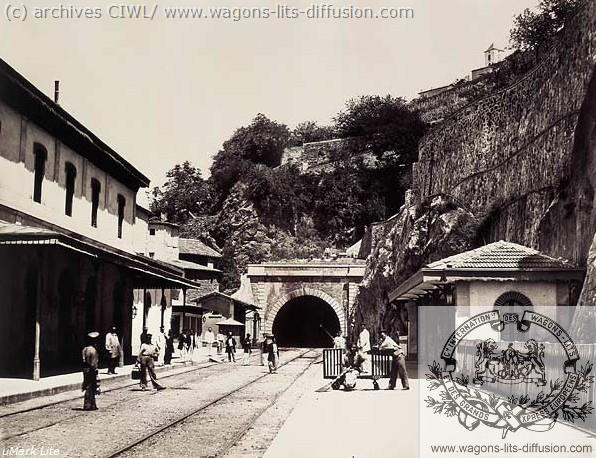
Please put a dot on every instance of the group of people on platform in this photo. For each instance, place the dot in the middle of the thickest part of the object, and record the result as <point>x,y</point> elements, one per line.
<point>158,350</point>
<point>358,355</point>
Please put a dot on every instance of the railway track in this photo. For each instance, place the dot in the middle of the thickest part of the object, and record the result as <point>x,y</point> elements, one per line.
<point>62,419</point>
<point>161,431</point>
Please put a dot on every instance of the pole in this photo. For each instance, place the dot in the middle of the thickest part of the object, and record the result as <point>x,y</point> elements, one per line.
<point>163,306</point>
<point>39,295</point>
<point>183,306</point>
<point>144,309</point>
<point>36,360</point>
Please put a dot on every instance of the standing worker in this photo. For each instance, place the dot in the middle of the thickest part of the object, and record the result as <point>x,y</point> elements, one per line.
<point>362,359</point>
<point>247,347</point>
<point>113,347</point>
<point>161,345</point>
<point>209,339</point>
<point>339,341</point>
<point>169,348</point>
<point>231,347</point>
<point>398,361</point>
<point>145,358</point>
<point>90,360</point>
<point>182,345</point>
<point>272,353</point>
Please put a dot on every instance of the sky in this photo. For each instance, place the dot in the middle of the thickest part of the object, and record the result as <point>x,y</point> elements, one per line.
<point>163,91</point>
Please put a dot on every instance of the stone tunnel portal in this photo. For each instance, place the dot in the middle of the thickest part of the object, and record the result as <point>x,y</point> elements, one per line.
<point>302,321</point>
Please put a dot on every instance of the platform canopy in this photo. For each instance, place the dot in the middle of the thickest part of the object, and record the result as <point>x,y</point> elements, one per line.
<point>147,272</point>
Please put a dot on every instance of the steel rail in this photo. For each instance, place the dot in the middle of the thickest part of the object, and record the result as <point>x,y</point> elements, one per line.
<point>179,420</point>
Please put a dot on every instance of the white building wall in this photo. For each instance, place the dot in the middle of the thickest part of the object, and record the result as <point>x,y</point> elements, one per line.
<point>16,186</point>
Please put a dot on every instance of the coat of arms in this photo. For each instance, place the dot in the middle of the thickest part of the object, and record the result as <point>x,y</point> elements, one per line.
<point>477,402</point>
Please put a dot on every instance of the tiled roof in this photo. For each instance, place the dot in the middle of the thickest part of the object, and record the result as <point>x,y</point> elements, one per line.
<point>187,265</point>
<point>194,246</point>
<point>501,255</point>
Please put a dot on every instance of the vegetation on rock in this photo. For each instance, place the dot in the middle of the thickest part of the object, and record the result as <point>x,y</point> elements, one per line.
<point>531,29</point>
<point>256,209</point>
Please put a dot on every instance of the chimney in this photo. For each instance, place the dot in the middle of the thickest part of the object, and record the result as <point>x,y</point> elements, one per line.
<point>56,91</point>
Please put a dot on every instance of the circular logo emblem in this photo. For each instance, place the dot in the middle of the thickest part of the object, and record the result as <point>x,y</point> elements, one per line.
<point>473,395</point>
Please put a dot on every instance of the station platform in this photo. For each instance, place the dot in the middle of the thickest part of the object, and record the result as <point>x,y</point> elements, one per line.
<point>16,390</point>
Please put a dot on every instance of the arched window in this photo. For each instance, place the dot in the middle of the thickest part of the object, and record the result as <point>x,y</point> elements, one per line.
<point>512,302</point>
<point>121,206</point>
<point>513,299</point>
<point>40,155</point>
<point>71,176</point>
<point>95,192</point>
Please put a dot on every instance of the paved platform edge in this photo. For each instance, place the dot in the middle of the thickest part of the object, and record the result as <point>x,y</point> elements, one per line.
<point>28,395</point>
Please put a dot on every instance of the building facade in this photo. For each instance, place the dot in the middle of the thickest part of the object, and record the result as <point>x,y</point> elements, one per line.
<point>68,215</point>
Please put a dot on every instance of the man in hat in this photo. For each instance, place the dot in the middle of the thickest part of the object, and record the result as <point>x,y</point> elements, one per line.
<point>114,349</point>
<point>90,360</point>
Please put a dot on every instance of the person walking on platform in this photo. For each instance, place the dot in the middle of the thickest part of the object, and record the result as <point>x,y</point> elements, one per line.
<point>247,347</point>
<point>113,347</point>
<point>161,345</point>
<point>190,344</point>
<point>264,354</point>
<point>145,358</point>
<point>362,360</point>
<point>90,361</point>
<point>169,349</point>
<point>231,347</point>
<point>398,361</point>
<point>272,353</point>
<point>182,345</point>
<point>209,339</point>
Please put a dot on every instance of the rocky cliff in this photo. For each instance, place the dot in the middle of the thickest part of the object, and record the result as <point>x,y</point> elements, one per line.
<point>519,163</point>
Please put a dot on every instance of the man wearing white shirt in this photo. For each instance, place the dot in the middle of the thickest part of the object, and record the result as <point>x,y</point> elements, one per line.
<point>209,338</point>
<point>363,345</point>
<point>398,361</point>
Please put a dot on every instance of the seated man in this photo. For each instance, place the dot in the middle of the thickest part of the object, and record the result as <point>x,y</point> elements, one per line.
<point>398,361</point>
<point>347,379</point>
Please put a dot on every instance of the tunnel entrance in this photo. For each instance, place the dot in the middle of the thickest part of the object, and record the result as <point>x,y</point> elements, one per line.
<point>302,321</point>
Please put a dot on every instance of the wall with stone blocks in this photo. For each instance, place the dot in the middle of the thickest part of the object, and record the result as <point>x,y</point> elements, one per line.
<point>508,155</point>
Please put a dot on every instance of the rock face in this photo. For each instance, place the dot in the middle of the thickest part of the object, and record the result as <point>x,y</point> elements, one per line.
<point>245,239</point>
<point>417,235</point>
<point>512,155</point>
<point>519,162</point>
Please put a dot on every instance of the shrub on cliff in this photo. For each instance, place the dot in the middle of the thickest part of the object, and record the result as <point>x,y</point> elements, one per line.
<point>531,29</point>
<point>387,121</point>
<point>310,131</point>
<point>261,142</point>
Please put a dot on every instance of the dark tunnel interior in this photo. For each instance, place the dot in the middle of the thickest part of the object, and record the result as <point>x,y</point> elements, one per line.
<point>302,322</point>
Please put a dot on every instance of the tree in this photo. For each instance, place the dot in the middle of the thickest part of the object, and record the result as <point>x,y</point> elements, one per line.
<point>310,131</point>
<point>185,194</point>
<point>388,122</point>
<point>261,142</point>
<point>531,29</point>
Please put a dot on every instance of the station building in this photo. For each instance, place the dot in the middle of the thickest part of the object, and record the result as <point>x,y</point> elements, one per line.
<point>500,275</point>
<point>70,235</point>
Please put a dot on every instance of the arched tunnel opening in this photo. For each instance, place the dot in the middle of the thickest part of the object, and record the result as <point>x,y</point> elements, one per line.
<point>306,321</point>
